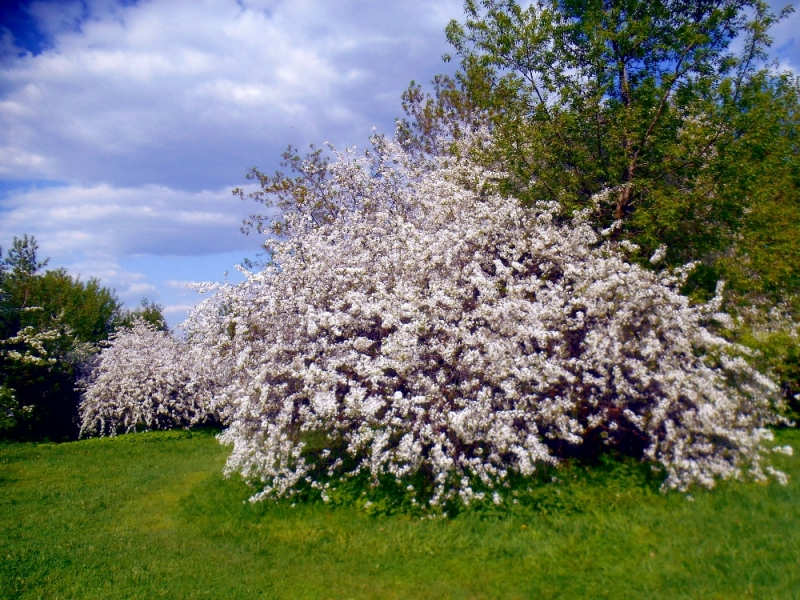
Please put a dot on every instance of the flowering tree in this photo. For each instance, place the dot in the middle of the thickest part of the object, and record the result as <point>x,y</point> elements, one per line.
<point>146,378</point>
<point>427,326</point>
<point>413,324</point>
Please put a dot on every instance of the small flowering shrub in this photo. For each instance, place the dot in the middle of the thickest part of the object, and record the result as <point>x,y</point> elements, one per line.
<point>428,329</point>
<point>146,378</point>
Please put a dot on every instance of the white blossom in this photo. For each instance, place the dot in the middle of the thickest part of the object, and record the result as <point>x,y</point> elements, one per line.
<point>658,255</point>
<point>147,378</point>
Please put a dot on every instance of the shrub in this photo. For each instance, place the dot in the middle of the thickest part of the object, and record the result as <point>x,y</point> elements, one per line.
<point>428,329</point>
<point>145,378</point>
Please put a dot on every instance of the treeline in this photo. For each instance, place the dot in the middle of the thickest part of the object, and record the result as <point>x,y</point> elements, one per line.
<point>51,327</point>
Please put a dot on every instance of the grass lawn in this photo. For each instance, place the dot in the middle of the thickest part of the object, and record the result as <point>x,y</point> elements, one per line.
<point>149,515</point>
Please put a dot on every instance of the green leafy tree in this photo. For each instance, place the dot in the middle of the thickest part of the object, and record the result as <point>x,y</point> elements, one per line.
<point>17,272</point>
<point>764,162</point>
<point>638,102</point>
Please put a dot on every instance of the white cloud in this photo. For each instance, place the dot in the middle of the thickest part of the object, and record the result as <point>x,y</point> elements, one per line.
<point>104,221</point>
<point>187,93</point>
<point>17,162</point>
<point>142,289</point>
<point>177,284</point>
<point>160,232</point>
<point>177,309</point>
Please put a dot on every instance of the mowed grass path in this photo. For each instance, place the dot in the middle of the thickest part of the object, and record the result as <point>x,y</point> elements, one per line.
<point>150,515</point>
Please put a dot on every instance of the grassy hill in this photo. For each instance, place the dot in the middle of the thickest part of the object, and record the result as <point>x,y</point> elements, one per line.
<point>150,515</point>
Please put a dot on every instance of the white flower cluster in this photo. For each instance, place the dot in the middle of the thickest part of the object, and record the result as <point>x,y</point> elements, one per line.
<point>434,327</point>
<point>147,378</point>
<point>430,327</point>
<point>35,346</point>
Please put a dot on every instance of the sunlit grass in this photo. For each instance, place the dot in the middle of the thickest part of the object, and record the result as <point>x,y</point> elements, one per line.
<point>150,515</point>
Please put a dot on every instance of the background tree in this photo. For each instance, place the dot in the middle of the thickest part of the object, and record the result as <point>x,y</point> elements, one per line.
<point>147,311</point>
<point>640,102</point>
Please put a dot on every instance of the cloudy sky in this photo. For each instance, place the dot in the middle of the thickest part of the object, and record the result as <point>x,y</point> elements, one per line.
<point>125,124</point>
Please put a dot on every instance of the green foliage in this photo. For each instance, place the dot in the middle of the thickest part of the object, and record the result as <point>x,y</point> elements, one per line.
<point>97,518</point>
<point>22,258</point>
<point>87,308</point>
<point>39,368</point>
<point>11,412</point>
<point>39,350</point>
<point>39,300</point>
<point>631,96</point>
<point>763,264</point>
<point>147,311</point>
<point>778,351</point>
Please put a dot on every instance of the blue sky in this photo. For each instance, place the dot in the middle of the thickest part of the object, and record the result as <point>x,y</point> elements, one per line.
<point>125,124</point>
